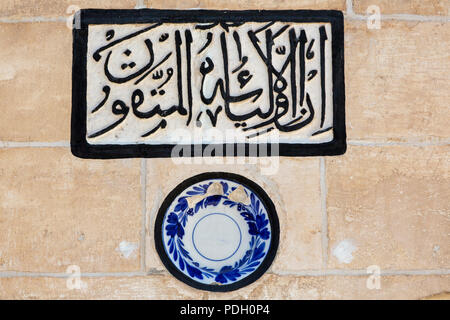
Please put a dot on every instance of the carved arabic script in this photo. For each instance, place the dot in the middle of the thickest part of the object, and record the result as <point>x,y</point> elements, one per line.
<point>146,80</point>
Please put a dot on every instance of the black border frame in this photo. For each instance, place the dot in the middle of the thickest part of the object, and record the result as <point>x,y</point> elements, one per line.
<point>271,212</point>
<point>81,148</point>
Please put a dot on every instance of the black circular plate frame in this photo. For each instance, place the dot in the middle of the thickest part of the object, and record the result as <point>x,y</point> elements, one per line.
<point>272,215</point>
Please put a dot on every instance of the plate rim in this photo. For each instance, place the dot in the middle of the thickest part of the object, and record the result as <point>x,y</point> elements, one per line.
<point>271,213</point>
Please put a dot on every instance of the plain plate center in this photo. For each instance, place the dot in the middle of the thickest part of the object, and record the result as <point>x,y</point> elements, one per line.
<point>216,236</point>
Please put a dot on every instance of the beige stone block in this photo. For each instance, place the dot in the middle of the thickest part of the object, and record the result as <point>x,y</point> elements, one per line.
<point>15,9</point>
<point>35,81</point>
<point>247,5</point>
<point>293,187</point>
<point>438,296</point>
<point>276,287</point>
<point>56,8</point>
<point>57,210</point>
<point>420,7</point>
<point>338,287</point>
<point>397,81</point>
<point>270,286</point>
<point>389,207</point>
<point>298,183</point>
<point>154,287</point>
<point>398,287</point>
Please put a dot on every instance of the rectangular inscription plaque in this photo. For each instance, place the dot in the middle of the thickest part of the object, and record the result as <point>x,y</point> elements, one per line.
<point>147,80</point>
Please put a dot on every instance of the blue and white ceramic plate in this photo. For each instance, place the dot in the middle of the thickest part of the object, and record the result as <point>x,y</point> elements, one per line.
<point>217,231</point>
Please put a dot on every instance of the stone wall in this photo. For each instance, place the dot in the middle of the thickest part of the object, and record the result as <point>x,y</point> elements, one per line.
<point>384,205</point>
